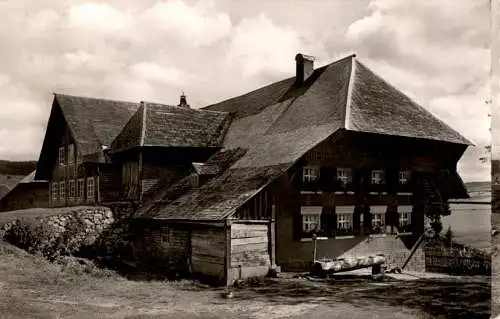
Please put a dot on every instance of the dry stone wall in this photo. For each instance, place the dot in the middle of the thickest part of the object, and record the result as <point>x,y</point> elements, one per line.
<point>91,231</point>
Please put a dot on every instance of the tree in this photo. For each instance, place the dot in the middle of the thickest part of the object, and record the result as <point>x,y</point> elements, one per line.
<point>448,236</point>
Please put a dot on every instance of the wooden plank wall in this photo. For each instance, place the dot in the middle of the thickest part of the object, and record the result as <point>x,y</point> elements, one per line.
<point>208,251</point>
<point>166,244</point>
<point>249,245</point>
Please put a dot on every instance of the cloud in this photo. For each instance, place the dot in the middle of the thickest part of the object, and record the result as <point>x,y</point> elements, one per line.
<point>435,51</point>
<point>259,46</point>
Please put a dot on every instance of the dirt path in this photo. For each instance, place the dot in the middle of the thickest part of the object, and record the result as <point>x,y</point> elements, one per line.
<point>31,287</point>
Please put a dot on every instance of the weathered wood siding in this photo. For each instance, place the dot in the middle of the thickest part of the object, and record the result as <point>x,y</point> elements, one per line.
<point>154,173</point>
<point>164,244</point>
<point>361,153</point>
<point>109,184</point>
<point>249,250</point>
<point>208,252</point>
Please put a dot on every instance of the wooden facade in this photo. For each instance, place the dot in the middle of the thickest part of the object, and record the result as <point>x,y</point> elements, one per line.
<point>395,206</point>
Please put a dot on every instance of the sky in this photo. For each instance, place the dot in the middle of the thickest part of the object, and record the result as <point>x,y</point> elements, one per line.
<point>437,52</point>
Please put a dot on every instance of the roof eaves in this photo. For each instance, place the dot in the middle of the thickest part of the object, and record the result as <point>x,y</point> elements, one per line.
<point>347,110</point>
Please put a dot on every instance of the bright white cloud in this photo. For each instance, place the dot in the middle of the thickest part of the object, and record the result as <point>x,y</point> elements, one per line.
<point>194,26</point>
<point>258,45</point>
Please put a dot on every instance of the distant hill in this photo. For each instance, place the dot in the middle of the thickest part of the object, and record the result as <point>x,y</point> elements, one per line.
<point>17,168</point>
<point>12,172</point>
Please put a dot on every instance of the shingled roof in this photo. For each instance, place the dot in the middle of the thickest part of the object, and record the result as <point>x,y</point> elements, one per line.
<point>172,126</point>
<point>279,123</point>
<point>94,122</point>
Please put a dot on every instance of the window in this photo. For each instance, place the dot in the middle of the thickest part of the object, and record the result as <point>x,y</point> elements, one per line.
<point>61,160</point>
<point>90,189</point>
<point>404,177</point>
<point>378,217</point>
<point>71,153</point>
<point>344,222</point>
<point>62,190</point>
<point>55,191</point>
<point>344,175</point>
<point>311,218</point>
<point>378,177</point>
<point>311,222</point>
<point>344,218</point>
<point>404,215</point>
<point>310,174</point>
<point>81,189</point>
<point>72,190</point>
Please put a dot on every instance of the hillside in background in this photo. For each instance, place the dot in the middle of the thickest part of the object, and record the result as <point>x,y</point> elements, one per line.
<point>12,172</point>
<point>17,168</point>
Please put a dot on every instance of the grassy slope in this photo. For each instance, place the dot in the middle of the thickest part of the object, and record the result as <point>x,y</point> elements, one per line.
<point>31,287</point>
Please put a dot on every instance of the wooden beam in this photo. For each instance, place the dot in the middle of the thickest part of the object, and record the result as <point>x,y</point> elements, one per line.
<point>272,237</point>
<point>227,257</point>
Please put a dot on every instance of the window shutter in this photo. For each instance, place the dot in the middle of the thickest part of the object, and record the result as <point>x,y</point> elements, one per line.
<point>328,221</point>
<point>297,226</point>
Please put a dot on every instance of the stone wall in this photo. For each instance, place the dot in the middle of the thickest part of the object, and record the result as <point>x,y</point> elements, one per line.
<point>82,230</point>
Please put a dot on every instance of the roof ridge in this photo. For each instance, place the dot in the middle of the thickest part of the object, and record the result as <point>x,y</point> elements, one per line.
<point>92,98</point>
<point>347,110</point>
<point>199,109</point>
<point>351,55</point>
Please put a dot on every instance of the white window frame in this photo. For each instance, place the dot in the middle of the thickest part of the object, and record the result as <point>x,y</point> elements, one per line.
<point>311,215</point>
<point>62,191</point>
<point>90,189</point>
<point>80,188</point>
<point>379,212</point>
<point>404,177</point>
<point>404,213</point>
<point>344,175</point>
<point>72,189</point>
<point>310,173</point>
<point>378,177</point>
<point>71,153</point>
<point>55,192</point>
<point>61,159</point>
<point>344,215</point>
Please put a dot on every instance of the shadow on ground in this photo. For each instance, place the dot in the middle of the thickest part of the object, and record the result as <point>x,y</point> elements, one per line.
<point>440,298</point>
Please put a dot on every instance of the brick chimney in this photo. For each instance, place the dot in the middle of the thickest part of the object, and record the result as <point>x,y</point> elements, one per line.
<point>183,102</point>
<point>304,67</point>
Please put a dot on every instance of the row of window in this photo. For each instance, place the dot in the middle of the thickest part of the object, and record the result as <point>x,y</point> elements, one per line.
<point>72,155</point>
<point>311,217</point>
<point>345,175</point>
<point>76,190</point>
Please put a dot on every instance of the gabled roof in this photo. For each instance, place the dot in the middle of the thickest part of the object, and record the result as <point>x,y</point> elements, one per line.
<point>345,94</point>
<point>279,123</point>
<point>94,122</point>
<point>172,126</point>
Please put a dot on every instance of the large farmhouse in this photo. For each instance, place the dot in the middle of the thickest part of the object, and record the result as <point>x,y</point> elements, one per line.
<point>240,186</point>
